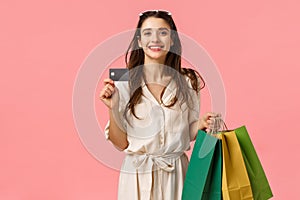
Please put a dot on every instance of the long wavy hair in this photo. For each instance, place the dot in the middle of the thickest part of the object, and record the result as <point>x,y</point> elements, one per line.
<point>134,59</point>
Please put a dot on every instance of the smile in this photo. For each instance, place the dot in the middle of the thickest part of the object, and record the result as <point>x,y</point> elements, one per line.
<point>155,48</point>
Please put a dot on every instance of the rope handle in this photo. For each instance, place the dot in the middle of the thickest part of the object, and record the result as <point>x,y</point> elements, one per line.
<point>218,125</point>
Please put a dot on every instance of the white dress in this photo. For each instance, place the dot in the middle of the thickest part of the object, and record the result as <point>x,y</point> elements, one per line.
<point>155,164</point>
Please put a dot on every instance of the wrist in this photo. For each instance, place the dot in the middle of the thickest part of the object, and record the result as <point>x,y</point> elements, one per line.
<point>200,125</point>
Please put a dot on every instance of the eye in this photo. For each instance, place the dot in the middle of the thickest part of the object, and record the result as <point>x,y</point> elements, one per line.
<point>147,33</point>
<point>164,33</point>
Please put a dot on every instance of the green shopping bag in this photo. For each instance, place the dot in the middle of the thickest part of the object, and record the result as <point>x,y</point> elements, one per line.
<point>204,174</point>
<point>259,183</point>
<point>213,184</point>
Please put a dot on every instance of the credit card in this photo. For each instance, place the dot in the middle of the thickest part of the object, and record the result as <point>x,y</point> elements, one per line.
<point>119,74</point>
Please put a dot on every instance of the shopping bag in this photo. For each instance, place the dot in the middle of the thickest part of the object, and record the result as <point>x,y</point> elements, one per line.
<point>213,185</point>
<point>235,181</point>
<point>260,187</point>
<point>203,177</point>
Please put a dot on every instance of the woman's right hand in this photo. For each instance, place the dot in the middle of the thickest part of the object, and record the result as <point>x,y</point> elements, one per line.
<point>109,94</point>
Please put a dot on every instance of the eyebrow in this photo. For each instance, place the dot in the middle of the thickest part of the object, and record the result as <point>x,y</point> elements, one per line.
<point>149,29</point>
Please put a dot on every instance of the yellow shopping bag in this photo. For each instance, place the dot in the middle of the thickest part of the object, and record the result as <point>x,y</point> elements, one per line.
<point>235,181</point>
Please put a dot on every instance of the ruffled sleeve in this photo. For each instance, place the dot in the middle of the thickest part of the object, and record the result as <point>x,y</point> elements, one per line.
<point>124,98</point>
<point>194,112</point>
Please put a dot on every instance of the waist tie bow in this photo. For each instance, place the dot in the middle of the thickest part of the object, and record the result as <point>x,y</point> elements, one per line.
<point>146,163</point>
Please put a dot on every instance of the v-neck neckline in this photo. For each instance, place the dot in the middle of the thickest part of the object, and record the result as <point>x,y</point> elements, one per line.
<point>151,95</point>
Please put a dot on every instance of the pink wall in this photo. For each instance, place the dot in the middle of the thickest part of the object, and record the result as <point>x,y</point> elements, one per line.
<point>255,45</point>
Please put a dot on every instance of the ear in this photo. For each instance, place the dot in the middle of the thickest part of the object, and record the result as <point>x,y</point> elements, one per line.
<point>139,41</point>
<point>172,43</point>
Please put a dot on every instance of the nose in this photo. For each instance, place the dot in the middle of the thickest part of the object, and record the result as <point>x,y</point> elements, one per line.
<point>155,37</point>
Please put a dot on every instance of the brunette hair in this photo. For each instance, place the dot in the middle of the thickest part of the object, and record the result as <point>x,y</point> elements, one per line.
<point>134,59</point>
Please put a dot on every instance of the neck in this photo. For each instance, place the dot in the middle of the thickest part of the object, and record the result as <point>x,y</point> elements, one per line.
<point>161,60</point>
<point>153,72</point>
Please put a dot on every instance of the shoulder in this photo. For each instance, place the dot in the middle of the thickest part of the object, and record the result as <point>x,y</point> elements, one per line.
<point>123,88</point>
<point>193,78</point>
<point>122,85</point>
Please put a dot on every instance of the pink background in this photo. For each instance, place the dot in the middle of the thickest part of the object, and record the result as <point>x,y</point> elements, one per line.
<point>255,45</point>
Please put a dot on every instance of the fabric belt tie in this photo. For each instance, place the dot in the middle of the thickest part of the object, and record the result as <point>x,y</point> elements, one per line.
<point>145,164</point>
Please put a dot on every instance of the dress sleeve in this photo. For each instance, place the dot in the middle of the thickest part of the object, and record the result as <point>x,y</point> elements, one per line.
<point>194,113</point>
<point>106,130</point>
<point>122,104</point>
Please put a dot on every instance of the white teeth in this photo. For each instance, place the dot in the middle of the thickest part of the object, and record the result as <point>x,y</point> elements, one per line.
<point>155,47</point>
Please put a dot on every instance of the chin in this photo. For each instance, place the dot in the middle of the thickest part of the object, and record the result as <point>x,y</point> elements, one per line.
<point>157,57</point>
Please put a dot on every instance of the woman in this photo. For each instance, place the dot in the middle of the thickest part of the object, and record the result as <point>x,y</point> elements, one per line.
<point>155,115</point>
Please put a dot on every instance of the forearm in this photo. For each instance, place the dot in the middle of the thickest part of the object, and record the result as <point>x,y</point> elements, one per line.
<point>116,135</point>
<point>194,127</point>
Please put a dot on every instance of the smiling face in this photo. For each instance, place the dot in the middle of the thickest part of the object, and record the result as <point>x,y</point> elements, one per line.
<point>155,40</point>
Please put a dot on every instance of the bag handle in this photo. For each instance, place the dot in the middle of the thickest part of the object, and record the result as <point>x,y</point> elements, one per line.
<point>217,126</point>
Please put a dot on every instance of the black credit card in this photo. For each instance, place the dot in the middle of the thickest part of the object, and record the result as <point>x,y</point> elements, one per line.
<point>119,74</point>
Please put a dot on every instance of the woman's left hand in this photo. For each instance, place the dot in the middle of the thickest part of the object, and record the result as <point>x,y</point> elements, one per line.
<point>207,121</point>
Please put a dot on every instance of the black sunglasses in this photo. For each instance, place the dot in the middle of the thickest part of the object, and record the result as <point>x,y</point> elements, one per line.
<point>158,11</point>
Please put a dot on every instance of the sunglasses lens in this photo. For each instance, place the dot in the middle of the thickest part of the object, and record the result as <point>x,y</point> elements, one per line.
<point>152,11</point>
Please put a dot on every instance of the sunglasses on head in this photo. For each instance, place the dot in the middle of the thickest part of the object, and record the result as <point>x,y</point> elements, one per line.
<point>158,11</point>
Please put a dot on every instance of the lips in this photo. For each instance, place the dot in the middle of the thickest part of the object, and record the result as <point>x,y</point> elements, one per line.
<point>155,47</point>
